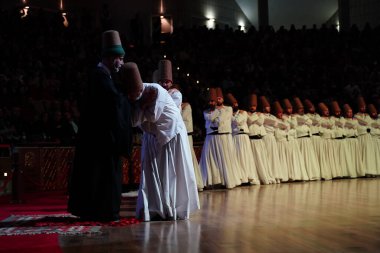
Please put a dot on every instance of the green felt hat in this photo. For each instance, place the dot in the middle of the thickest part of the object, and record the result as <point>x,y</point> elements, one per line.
<point>111,44</point>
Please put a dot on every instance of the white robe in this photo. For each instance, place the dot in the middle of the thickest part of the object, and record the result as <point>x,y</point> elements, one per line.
<point>218,163</point>
<point>367,147</point>
<point>375,133</point>
<point>306,146</point>
<point>187,117</point>
<point>243,149</point>
<point>281,135</point>
<point>168,187</point>
<point>326,152</point>
<point>256,132</point>
<point>296,163</point>
<point>270,124</point>
<point>354,159</point>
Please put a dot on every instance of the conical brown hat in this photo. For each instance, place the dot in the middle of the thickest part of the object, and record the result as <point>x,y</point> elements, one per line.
<point>297,102</point>
<point>347,108</point>
<point>372,109</point>
<point>322,106</point>
<point>165,70</point>
<point>277,107</point>
<point>264,102</point>
<point>253,100</point>
<point>361,101</point>
<point>309,105</point>
<point>212,94</point>
<point>130,77</point>
<point>335,106</point>
<point>287,103</point>
<point>219,92</point>
<point>231,99</point>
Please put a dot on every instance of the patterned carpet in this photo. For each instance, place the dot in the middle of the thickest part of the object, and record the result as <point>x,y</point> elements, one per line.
<point>45,213</point>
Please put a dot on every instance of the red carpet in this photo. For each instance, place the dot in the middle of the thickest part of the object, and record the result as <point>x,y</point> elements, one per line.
<point>41,213</point>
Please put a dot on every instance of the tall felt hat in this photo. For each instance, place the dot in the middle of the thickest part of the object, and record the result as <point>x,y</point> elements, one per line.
<point>322,106</point>
<point>361,101</point>
<point>372,109</point>
<point>231,99</point>
<point>253,100</point>
<point>219,92</point>
<point>155,76</point>
<point>130,77</point>
<point>335,106</point>
<point>111,44</point>
<point>264,102</point>
<point>297,102</point>
<point>347,108</point>
<point>212,94</point>
<point>277,107</point>
<point>287,103</point>
<point>165,70</point>
<point>309,105</point>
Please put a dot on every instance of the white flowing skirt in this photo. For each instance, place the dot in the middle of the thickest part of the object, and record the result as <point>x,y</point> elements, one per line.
<point>310,158</point>
<point>261,161</point>
<point>337,171</point>
<point>283,156</point>
<point>354,163</point>
<point>326,158</point>
<point>296,163</point>
<point>367,154</point>
<point>197,170</point>
<point>167,187</point>
<point>244,155</point>
<point>218,162</point>
<point>273,157</point>
<point>376,144</point>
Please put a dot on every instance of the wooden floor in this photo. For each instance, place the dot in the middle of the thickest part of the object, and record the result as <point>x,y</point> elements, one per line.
<point>322,216</point>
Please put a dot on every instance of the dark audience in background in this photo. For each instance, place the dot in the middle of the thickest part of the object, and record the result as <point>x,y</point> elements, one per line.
<point>44,68</point>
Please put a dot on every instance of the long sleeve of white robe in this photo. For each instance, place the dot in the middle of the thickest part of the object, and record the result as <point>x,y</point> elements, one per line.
<point>154,118</point>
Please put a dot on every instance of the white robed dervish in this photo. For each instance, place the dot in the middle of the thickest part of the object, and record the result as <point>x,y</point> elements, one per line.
<point>309,155</point>
<point>296,164</point>
<point>341,148</point>
<point>243,147</point>
<point>281,134</point>
<point>273,157</point>
<point>375,132</point>
<point>315,133</point>
<point>217,163</point>
<point>354,159</point>
<point>168,187</point>
<point>187,117</point>
<point>255,123</point>
<point>326,151</point>
<point>366,144</point>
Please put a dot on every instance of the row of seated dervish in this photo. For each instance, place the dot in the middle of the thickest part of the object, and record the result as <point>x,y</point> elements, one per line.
<point>263,148</point>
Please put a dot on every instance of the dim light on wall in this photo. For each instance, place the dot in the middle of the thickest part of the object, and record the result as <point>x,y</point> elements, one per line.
<point>166,25</point>
<point>65,21</point>
<point>24,11</point>
<point>241,24</point>
<point>210,23</point>
<point>210,18</point>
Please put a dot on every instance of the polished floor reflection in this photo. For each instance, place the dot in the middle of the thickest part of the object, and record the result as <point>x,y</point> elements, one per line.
<point>323,216</point>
